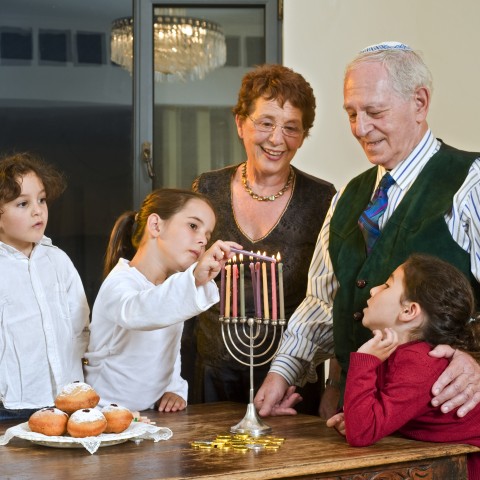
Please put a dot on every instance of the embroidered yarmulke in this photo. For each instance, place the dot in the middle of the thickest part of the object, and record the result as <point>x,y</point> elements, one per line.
<point>386,46</point>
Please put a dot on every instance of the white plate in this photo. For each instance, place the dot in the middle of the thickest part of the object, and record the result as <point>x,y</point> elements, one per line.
<point>102,440</point>
<point>137,431</point>
<point>69,444</point>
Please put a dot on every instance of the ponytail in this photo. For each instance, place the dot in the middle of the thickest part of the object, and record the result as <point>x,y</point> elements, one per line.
<point>120,242</point>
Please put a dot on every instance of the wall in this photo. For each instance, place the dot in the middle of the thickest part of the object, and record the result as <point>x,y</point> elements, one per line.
<point>321,36</point>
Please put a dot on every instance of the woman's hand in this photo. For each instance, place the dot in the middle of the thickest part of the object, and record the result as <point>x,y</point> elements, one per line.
<point>171,402</point>
<point>459,384</point>
<point>381,345</point>
<point>212,261</point>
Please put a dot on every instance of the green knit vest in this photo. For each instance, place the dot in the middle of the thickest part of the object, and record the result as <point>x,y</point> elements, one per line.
<point>417,225</point>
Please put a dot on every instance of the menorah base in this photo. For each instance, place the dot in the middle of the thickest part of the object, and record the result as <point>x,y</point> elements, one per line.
<point>251,424</point>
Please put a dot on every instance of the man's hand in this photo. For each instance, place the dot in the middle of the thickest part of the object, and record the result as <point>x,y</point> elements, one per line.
<point>275,397</point>
<point>459,384</point>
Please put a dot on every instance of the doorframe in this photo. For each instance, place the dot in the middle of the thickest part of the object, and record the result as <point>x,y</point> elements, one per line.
<point>143,75</point>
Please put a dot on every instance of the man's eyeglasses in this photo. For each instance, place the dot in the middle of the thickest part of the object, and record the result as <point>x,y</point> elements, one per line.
<point>266,125</point>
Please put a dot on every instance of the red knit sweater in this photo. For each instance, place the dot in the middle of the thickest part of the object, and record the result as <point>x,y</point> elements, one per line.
<point>394,396</point>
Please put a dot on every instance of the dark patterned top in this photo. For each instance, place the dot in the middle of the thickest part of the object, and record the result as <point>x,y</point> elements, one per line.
<point>294,236</point>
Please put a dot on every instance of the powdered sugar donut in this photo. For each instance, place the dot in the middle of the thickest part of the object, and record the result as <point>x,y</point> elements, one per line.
<point>49,421</point>
<point>88,422</point>
<point>76,396</point>
<point>118,418</point>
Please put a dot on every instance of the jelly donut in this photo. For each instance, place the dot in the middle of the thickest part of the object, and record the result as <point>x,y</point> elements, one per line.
<point>88,422</point>
<point>76,396</point>
<point>49,421</point>
<point>118,418</point>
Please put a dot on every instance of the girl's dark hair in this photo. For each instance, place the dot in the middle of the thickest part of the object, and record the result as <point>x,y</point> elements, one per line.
<point>276,82</point>
<point>129,228</point>
<point>446,296</point>
<point>14,167</point>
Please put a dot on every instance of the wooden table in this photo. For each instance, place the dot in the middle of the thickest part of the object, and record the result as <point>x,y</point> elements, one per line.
<point>311,450</point>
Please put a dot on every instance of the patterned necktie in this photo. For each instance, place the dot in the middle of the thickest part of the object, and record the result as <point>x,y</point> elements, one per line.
<point>368,221</point>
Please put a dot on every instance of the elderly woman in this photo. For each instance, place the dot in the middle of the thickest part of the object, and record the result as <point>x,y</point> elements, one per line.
<point>266,205</point>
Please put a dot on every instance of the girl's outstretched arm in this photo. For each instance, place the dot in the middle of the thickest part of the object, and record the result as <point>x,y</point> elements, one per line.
<point>212,261</point>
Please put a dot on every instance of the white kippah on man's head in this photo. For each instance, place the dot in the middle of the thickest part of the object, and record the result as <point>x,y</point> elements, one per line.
<point>386,46</point>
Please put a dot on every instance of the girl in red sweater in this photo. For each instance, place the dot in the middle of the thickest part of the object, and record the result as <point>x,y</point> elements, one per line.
<point>425,302</point>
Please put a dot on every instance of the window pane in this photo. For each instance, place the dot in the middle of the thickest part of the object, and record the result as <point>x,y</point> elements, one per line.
<point>194,128</point>
<point>77,117</point>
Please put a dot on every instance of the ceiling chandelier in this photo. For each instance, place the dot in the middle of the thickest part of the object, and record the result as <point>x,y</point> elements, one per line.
<point>184,48</point>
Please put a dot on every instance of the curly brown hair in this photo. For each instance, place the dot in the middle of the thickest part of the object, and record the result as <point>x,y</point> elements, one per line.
<point>276,82</point>
<point>14,167</point>
<point>447,297</point>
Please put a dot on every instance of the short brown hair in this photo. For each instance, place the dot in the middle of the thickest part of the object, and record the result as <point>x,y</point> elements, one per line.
<point>276,82</point>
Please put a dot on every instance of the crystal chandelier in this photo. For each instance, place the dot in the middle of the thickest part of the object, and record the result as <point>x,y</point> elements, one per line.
<point>184,48</point>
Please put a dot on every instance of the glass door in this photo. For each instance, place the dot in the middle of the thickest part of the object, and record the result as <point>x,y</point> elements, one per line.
<point>193,128</point>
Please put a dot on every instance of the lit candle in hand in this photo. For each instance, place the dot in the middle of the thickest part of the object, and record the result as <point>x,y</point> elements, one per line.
<point>266,309</point>
<point>228,270</point>
<point>280,288</point>
<point>242,287</point>
<point>274,291</point>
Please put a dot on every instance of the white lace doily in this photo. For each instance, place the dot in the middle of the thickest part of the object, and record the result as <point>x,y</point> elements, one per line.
<point>137,431</point>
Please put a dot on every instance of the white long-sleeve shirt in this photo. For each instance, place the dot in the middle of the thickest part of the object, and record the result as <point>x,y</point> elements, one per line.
<point>134,351</point>
<point>309,335</point>
<point>44,319</point>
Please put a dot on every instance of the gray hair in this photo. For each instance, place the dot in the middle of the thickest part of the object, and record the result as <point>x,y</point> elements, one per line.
<point>406,69</point>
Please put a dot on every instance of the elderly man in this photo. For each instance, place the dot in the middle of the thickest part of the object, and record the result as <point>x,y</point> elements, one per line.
<point>420,196</point>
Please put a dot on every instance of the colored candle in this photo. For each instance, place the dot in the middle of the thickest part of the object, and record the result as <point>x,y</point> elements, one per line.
<point>280,291</point>
<point>266,309</point>
<point>254,286</point>
<point>222,292</point>
<point>228,270</point>
<point>274,291</point>
<point>234,289</point>
<point>242,287</point>
<point>258,286</point>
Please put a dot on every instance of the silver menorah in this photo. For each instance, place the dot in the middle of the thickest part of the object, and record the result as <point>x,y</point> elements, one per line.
<point>247,339</point>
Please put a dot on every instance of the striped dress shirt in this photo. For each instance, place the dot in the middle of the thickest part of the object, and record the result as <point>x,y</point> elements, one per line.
<point>308,339</point>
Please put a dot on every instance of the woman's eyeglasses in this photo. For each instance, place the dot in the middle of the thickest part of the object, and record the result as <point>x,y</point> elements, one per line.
<point>267,126</point>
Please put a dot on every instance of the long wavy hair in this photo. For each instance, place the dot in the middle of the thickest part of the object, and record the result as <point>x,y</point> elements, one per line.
<point>129,228</point>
